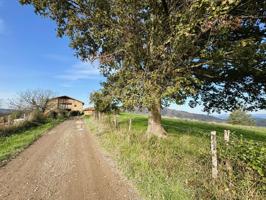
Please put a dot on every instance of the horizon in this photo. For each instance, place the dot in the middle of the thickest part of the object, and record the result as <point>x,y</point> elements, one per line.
<point>34,57</point>
<point>223,116</point>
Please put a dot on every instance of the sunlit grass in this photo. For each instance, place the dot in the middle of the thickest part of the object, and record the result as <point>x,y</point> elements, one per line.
<point>11,145</point>
<point>175,168</point>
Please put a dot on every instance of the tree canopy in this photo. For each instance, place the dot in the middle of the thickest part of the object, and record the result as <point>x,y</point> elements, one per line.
<point>103,102</point>
<point>161,51</point>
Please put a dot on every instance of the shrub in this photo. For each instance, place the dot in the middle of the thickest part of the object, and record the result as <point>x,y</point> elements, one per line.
<point>74,113</point>
<point>9,130</point>
<point>52,115</point>
<point>246,174</point>
<point>62,114</point>
<point>241,117</point>
<point>37,117</point>
<point>16,114</point>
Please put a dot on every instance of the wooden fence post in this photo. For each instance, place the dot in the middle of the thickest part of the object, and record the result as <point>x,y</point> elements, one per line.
<point>115,121</point>
<point>227,162</point>
<point>130,124</point>
<point>214,155</point>
<point>226,136</point>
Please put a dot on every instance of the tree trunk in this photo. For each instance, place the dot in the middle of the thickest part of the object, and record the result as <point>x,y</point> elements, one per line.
<point>155,121</point>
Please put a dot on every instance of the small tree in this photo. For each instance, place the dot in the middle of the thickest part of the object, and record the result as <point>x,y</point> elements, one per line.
<point>103,102</point>
<point>30,100</point>
<point>241,117</point>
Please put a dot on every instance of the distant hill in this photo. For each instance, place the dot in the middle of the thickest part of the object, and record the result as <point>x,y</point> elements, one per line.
<point>187,115</point>
<point>182,114</point>
<point>4,111</point>
<point>259,116</point>
<point>260,122</point>
<point>260,119</point>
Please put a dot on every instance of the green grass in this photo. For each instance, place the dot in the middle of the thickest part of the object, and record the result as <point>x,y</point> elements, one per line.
<point>15,143</point>
<point>197,128</point>
<point>178,167</point>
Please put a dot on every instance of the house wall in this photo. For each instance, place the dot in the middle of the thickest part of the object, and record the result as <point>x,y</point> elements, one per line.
<point>88,112</point>
<point>75,105</point>
<point>64,104</point>
<point>52,105</point>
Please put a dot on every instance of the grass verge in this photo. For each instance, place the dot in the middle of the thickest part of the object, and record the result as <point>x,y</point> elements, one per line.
<point>179,167</point>
<point>15,143</point>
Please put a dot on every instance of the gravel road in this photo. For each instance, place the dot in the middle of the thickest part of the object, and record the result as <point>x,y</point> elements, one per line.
<point>65,163</point>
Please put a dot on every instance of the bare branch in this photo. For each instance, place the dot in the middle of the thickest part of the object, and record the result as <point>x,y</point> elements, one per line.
<point>29,100</point>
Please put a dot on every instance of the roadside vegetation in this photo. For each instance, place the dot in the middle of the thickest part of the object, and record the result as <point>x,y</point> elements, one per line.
<point>15,138</point>
<point>30,118</point>
<point>179,167</point>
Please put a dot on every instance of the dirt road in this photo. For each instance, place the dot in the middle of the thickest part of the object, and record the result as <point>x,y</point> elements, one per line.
<point>66,163</point>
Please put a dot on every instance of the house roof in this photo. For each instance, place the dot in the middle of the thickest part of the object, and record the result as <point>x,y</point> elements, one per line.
<point>67,97</point>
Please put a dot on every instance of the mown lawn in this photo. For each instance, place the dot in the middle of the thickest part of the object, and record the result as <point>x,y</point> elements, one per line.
<point>179,167</point>
<point>15,143</point>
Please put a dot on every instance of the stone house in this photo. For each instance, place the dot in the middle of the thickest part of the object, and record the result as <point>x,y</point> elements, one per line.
<point>64,103</point>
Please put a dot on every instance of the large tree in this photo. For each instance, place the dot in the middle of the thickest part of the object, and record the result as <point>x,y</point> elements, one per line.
<point>154,52</point>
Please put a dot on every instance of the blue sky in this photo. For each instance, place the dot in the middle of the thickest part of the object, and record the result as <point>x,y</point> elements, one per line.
<point>31,56</point>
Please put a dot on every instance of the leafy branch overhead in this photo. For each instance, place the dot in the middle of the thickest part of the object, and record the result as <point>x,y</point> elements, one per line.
<point>162,51</point>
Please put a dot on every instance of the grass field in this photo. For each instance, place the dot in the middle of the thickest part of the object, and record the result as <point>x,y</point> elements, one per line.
<point>179,167</point>
<point>15,143</point>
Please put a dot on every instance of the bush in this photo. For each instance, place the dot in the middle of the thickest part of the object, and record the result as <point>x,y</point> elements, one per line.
<point>52,115</point>
<point>247,162</point>
<point>62,114</point>
<point>241,117</point>
<point>250,152</point>
<point>37,117</point>
<point>9,130</point>
<point>74,113</point>
<point>16,115</point>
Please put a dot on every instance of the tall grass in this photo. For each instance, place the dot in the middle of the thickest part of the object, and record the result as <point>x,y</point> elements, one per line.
<point>179,167</point>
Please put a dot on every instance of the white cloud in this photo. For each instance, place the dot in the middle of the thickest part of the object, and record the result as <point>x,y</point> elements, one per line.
<point>81,70</point>
<point>2,26</point>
